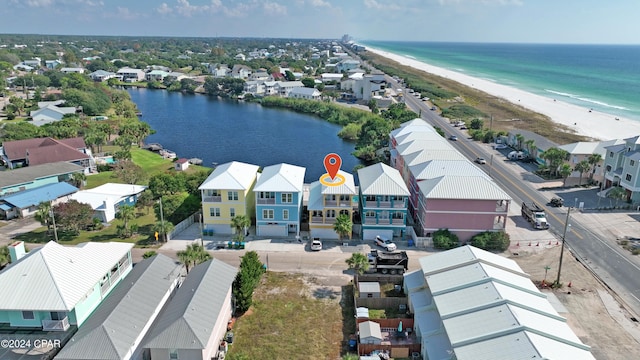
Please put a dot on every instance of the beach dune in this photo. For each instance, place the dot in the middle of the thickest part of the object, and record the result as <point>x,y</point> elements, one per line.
<point>584,121</point>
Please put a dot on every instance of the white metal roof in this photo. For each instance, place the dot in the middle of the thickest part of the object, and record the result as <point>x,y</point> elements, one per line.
<point>412,126</point>
<point>116,327</point>
<point>188,321</point>
<point>416,135</point>
<point>368,286</point>
<point>586,148</point>
<point>489,309</point>
<point>370,329</point>
<point>462,187</point>
<point>381,179</point>
<point>409,147</point>
<point>281,177</point>
<point>231,176</point>
<point>436,168</point>
<point>428,155</point>
<point>56,277</point>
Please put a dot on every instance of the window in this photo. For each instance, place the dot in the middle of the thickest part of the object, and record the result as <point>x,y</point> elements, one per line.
<point>28,315</point>
<point>173,354</point>
<point>608,168</point>
<point>632,163</point>
<point>213,192</point>
<point>345,198</point>
<point>331,213</point>
<point>285,214</point>
<point>370,198</point>
<point>610,153</point>
<point>214,212</point>
<point>398,215</point>
<point>232,212</point>
<point>232,195</point>
<point>370,214</point>
<point>344,212</point>
<point>267,214</point>
<point>266,195</point>
<point>628,177</point>
<point>58,315</point>
<point>286,198</point>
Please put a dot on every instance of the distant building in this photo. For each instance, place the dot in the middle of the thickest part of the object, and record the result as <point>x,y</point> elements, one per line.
<point>106,199</point>
<point>305,93</point>
<point>25,203</point>
<point>39,151</point>
<point>101,75</point>
<point>130,75</point>
<point>31,177</point>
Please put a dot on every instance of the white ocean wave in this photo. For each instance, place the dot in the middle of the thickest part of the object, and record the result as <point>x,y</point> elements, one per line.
<point>410,57</point>
<point>578,97</point>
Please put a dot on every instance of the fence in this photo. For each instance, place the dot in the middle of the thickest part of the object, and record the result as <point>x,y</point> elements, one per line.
<point>382,303</point>
<point>419,242</point>
<point>194,218</point>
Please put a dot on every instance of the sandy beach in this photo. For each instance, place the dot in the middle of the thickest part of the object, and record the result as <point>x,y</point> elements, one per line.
<point>593,124</point>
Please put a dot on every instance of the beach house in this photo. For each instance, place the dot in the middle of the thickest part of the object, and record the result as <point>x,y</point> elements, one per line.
<point>106,199</point>
<point>37,151</point>
<point>54,287</point>
<point>584,151</point>
<point>195,321</point>
<point>383,201</point>
<point>621,167</point>
<point>326,203</point>
<point>227,192</point>
<point>278,192</point>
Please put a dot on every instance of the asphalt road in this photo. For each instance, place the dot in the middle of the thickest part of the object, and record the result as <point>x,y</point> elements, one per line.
<point>607,262</point>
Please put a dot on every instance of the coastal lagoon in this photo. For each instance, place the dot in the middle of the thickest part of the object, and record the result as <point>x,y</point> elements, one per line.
<point>219,131</point>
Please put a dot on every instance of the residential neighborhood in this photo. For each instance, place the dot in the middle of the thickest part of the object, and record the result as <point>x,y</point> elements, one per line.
<point>127,250</point>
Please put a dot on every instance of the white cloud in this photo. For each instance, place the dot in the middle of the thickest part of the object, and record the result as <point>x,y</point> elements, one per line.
<point>48,3</point>
<point>37,3</point>
<point>164,9</point>
<point>273,8</point>
<point>379,5</point>
<point>482,2</point>
<point>125,13</point>
<point>319,3</point>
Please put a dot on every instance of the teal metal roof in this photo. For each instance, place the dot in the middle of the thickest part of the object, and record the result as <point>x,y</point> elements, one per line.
<point>32,197</point>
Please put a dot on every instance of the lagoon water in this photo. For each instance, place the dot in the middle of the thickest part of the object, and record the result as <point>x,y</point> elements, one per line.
<point>602,77</point>
<point>221,131</point>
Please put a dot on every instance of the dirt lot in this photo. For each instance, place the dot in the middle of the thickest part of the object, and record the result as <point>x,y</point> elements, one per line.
<point>593,314</point>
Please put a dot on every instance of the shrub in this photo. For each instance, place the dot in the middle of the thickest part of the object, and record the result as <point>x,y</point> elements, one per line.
<point>444,239</point>
<point>491,240</point>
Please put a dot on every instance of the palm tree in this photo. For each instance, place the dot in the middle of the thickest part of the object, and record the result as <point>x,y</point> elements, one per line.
<point>520,140</point>
<point>593,160</point>
<point>582,167</point>
<point>565,171</point>
<point>78,179</point>
<point>126,213</point>
<point>343,226</point>
<point>193,255</point>
<point>359,262</point>
<point>163,228</point>
<point>618,193</point>
<point>531,148</point>
<point>43,214</point>
<point>240,223</point>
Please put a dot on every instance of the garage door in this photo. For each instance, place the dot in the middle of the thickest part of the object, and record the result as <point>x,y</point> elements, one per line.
<point>370,234</point>
<point>324,234</point>
<point>272,230</point>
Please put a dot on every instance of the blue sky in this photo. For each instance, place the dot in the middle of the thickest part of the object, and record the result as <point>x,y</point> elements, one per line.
<point>538,21</point>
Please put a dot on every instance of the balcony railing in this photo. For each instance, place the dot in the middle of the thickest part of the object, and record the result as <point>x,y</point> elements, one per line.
<point>212,199</point>
<point>384,204</point>
<point>501,208</point>
<point>330,203</point>
<point>370,220</point>
<point>316,219</point>
<point>55,325</point>
<point>397,221</point>
<point>266,201</point>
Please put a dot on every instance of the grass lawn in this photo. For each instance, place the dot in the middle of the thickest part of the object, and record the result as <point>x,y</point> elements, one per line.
<point>293,318</point>
<point>108,233</point>
<point>150,162</point>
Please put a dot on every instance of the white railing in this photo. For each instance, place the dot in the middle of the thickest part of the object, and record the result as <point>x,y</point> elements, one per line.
<point>212,199</point>
<point>55,325</point>
<point>266,201</point>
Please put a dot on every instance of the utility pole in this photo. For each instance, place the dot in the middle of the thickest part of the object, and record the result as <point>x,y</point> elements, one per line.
<point>164,236</point>
<point>564,235</point>
<point>201,236</point>
<point>53,219</point>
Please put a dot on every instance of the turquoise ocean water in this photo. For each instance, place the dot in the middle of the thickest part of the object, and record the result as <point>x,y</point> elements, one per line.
<point>602,77</point>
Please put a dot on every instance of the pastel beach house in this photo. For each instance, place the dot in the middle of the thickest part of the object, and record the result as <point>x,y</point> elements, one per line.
<point>383,201</point>
<point>54,287</point>
<point>226,193</point>
<point>278,193</point>
<point>326,203</point>
<point>622,168</point>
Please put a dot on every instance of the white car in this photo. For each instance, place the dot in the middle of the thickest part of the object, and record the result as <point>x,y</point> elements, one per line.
<point>386,244</point>
<point>499,146</point>
<point>316,244</point>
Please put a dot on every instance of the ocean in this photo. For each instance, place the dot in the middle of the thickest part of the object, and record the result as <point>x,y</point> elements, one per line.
<point>605,78</point>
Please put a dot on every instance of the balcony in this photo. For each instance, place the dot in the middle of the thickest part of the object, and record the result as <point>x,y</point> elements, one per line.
<point>370,220</point>
<point>266,201</point>
<point>328,203</point>
<point>316,219</point>
<point>397,221</point>
<point>55,325</point>
<point>215,199</point>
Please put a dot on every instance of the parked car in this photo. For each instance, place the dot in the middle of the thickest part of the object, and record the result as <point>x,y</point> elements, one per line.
<point>556,202</point>
<point>463,127</point>
<point>316,244</point>
<point>481,161</point>
<point>386,244</point>
<point>499,146</point>
<point>453,138</point>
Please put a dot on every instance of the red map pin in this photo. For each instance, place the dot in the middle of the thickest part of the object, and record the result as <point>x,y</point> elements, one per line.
<point>332,163</point>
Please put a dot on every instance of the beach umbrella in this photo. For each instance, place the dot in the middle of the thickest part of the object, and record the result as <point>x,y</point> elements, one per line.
<point>400,326</point>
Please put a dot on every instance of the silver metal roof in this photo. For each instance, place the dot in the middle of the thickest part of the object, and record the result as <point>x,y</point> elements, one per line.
<point>281,178</point>
<point>462,187</point>
<point>188,320</point>
<point>381,179</point>
<point>116,327</point>
<point>231,176</point>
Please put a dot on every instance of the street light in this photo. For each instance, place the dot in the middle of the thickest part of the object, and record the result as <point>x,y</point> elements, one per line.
<point>564,235</point>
